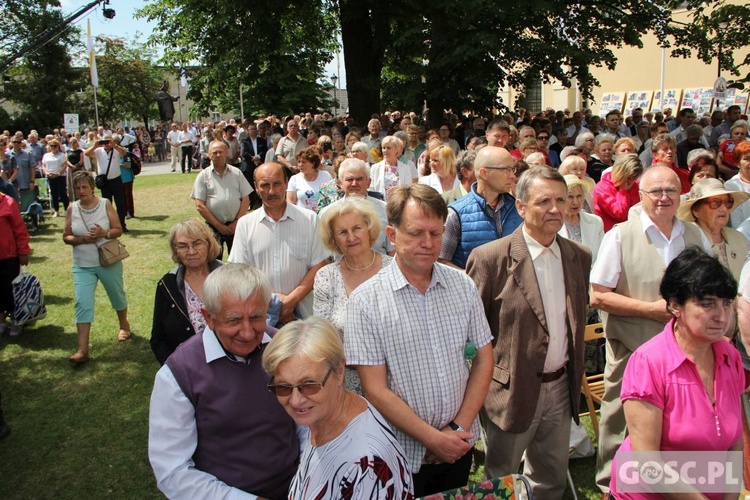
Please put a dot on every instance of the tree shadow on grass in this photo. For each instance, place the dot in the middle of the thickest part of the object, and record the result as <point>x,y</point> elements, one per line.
<point>134,233</point>
<point>56,300</point>
<point>156,218</point>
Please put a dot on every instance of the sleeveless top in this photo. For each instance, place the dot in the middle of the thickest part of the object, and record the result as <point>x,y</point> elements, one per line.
<point>87,255</point>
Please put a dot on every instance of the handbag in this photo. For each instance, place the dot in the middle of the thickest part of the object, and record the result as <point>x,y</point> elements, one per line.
<point>101,180</point>
<point>110,251</point>
<point>28,299</point>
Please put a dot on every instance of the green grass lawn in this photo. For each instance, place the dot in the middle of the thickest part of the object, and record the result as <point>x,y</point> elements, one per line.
<point>82,432</point>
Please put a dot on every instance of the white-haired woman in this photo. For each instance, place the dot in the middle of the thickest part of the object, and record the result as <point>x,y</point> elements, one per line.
<point>585,228</point>
<point>350,229</point>
<point>348,448</point>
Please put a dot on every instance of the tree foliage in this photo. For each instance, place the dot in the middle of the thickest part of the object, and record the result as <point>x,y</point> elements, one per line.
<point>276,50</point>
<point>716,29</point>
<point>43,82</point>
<point>128,82</point>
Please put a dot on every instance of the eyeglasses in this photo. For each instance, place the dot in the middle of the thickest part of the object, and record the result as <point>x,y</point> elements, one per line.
<point>658,193</point>
<point>513,170</point>
<point>306,388</point>
<point>715,203</point>
<point>196,246</point>
<point>17,142</point>
<point>543,137</point>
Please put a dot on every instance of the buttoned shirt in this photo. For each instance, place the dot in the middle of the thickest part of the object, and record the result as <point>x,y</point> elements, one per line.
<point>170,452</point>
<point>186,137</point>
<point>289,148</point>
<point>421,339</point>
<point>26,168</point>
<point>680,134</point>
<point>222,194</point>
<point>103,162</point>
<point>606,271</point>
<point>37,151</point>
<point>285,250</point>
<point>551,280</point>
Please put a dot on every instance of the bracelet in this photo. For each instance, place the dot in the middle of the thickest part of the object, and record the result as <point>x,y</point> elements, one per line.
<point>108,230</point>
<point>453,425</point>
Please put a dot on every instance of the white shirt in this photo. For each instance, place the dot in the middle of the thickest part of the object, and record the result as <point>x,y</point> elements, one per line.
<point>102,160</point>
<point>680,134</point>
<point>606,271</point>
<point>174,137</point>
<point>185,135</point>
<point>551,280</point>
<point>284,250</point>
<point>741,213</point>
<point>173,437</point>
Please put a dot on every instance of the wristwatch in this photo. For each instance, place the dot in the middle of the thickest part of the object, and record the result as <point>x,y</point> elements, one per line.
<point>453,425</point>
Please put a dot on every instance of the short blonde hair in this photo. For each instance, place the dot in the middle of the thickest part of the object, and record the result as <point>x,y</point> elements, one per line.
<point>315,338</point>
<point>447,157</point>
<point>347,206</point>
<point>571,161</point>
<point>196,229</point>
<point>391,139</point>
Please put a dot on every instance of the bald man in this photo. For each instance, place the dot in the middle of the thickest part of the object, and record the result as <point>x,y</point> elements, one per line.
<point>281,240</point>
<point>625,287</point>
<point>488,212</point>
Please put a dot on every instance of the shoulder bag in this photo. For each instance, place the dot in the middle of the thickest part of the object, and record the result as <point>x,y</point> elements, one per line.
<point>101,180</point>
<point>110,251</point>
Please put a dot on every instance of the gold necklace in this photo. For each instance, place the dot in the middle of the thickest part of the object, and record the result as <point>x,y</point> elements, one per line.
<point>374,254</point>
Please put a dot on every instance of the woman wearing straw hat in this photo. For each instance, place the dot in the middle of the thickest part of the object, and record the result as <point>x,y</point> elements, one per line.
<point>708,205</point>
<point>585,228</point>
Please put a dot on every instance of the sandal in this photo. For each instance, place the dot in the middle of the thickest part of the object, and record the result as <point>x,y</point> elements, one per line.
<point>123,335</point>
<point>79,358</point>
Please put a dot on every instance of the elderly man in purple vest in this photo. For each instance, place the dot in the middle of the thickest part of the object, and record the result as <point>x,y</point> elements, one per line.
<point>214,429</point>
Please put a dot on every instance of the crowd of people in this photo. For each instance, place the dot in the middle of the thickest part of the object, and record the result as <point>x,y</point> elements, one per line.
<point>430,288</point>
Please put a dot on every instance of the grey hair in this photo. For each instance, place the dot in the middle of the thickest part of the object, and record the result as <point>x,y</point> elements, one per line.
<point>532,174</point>
<point>604,138</point>
<point>236,281</point>
<point>353,164</point>
<point>361,147</point>
<point>465,160</point>
<point>314,338</point>
<point>582,138</point>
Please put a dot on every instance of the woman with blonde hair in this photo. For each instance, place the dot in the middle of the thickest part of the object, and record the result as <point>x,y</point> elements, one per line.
<point>348,448</point>
<point>618,191</point>
<point>179,294</point>
<point>443,163</point>
<point>350,229</point>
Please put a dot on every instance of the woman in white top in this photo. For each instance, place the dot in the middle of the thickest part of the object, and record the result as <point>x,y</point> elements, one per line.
<point>443,164</point>
<point>303,187</point>
<point>54,166</point>
<point>389,173</point>
<point>89,222</point>
<point>579,226</point>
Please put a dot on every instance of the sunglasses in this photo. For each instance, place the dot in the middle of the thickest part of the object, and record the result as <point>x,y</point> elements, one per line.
<point>306,388</point>
<point>543,137</point>
<point>715,203</point>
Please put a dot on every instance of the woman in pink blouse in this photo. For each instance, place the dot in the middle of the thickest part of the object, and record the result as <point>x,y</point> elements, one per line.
<point>681,389</point>
<point>618,191</point>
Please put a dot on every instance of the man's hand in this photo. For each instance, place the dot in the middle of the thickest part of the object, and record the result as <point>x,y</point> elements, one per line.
<point>287,309</point>
<point>660,312</point>
<point>24,259</point>
<point>449,446</point>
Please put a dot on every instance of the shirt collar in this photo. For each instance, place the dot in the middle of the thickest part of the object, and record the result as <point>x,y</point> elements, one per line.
<point>288,213</point>
<point>677,226</point>
<point>536,248</point>
<point>399,281</point>
<point>214,349</point>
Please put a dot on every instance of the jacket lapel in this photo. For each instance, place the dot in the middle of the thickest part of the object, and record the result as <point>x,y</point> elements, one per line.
<point>525,276</point>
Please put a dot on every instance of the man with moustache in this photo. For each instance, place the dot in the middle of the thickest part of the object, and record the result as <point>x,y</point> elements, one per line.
<point>281,240</point>
<point>625,287</point>
<point>498,133</point>
<point>534,288</point>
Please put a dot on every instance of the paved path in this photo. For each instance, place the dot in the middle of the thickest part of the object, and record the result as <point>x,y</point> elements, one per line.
<point>162,167</point>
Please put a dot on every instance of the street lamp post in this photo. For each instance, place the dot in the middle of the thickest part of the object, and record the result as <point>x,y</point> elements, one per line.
<point>335,80</point>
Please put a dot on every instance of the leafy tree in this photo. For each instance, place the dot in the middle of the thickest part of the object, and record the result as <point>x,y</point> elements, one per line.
<point>276,50</point>
<point>128,82</point>
<point>715,31</point>
<point>43,82</point>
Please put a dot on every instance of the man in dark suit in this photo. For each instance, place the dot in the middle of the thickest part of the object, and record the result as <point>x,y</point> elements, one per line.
<point>253,149</point>
<point>534,287</point>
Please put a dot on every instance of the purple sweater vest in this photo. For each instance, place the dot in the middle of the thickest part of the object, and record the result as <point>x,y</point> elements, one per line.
<point>245,438</point>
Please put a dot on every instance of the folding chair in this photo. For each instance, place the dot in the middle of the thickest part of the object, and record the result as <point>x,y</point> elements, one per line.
<point>593,385</point>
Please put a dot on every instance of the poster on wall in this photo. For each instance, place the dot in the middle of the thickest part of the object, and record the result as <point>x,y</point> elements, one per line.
<point>671,100</point>
<point>638,99</point>
<point>691,98</point>
<point>741,101</point>
<point>733,97</point>
<point>610,101</point>
<point>703,107</point>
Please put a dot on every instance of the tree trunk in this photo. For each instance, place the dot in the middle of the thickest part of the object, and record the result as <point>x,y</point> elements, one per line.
<point>364,47</point>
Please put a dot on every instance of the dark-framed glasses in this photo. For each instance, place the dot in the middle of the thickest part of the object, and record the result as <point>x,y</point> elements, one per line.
<point>658,193</point>
<point>513,170</point>
<point>305,388</point>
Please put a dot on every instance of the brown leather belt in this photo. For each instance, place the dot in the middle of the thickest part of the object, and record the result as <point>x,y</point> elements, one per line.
<point>552,376</point>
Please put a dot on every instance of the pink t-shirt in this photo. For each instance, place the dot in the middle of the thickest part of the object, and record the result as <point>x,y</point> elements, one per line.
<point>661,374</point>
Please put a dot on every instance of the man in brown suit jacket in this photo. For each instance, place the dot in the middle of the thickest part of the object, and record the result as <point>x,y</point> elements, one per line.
<point>534,286</point>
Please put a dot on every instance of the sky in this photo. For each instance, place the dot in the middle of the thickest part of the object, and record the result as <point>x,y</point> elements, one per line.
<point>125,25</point>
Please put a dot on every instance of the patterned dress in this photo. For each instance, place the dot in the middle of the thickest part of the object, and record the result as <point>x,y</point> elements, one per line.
<point>364,461</point>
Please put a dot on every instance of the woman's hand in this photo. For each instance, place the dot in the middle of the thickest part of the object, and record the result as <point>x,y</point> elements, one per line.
<point>96,231</point>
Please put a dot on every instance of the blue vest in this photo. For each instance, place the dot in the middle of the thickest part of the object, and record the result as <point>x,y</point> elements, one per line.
<point>478,228</point>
